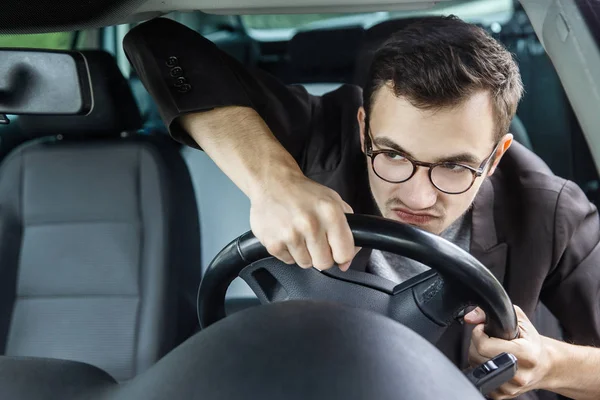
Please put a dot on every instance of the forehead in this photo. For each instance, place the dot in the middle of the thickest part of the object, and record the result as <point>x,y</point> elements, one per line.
<point>431,134</point>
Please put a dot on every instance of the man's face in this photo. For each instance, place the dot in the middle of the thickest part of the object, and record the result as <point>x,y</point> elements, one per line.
<point>464,132</point>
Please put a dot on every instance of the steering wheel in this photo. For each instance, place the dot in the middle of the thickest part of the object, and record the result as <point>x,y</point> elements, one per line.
<point>427,303</point>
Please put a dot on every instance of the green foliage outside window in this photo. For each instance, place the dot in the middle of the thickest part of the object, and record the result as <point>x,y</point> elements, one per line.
<point>58,41</point>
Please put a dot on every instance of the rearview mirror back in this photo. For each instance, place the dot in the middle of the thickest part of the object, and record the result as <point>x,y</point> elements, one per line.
<point>44,82</point>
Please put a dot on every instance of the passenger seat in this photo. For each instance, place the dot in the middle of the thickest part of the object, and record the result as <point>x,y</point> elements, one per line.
<point>99,236</point>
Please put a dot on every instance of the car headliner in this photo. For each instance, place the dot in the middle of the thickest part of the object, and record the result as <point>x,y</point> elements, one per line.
<point>36,16</point>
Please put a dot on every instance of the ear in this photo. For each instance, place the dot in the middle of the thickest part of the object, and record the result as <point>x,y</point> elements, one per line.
<point>361,123</point>
<point>503,145</point>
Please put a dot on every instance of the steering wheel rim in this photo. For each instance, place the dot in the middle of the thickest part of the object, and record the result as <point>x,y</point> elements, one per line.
<point>377,233</point>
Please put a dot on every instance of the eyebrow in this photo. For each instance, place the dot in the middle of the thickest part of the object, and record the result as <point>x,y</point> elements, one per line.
<point>466,158</point>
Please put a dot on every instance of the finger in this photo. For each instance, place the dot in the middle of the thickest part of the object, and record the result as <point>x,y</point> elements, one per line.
<point>348,210</point>
<point>299,252</point>
<point>345,267</point>
<point>508,391</point>
<point>286,257</point>
<point>496,395</point>
<point>279,251</point>
<point>340,239</point>
<point>475,359</point>
<point>346,207</point>
<point>490,347</point>
<point>475,317</point>
<point>320,252</point>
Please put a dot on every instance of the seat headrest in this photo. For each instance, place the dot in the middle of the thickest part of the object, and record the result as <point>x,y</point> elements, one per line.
<point>325,48</point>
<point>113,112</point>
<point>373,38</point>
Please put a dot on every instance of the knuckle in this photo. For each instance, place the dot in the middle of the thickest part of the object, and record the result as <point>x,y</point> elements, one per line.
<point>481,347</point>
<point>276,248</point>
<point>329,209</point>
<point>292,238</point>
<point>523,348</point>
<point>307,224</point>
<point>334,195</point>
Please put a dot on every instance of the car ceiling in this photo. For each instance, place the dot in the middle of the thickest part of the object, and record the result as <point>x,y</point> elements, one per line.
<point>36,16</point>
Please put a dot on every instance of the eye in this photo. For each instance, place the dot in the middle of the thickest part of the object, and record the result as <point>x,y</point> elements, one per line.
<point>394,157</point>
<point>456,168</point>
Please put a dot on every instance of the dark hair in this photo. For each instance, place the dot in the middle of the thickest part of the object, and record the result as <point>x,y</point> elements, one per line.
<point>439,62</point>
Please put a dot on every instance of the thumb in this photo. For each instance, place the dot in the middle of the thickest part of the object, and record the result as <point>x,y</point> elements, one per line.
<point>475,317</point>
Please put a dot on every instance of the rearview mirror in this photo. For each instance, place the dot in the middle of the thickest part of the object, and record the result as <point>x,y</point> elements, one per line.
<point>43,82</point>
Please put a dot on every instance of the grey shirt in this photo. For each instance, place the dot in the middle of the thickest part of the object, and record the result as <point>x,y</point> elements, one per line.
<point>399,269</point>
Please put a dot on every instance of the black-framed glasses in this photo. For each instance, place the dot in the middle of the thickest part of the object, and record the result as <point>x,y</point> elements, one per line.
<point>447,177</point>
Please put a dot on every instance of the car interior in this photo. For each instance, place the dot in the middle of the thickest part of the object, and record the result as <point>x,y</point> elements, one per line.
<point>100,236</point>
<point>108,226</point>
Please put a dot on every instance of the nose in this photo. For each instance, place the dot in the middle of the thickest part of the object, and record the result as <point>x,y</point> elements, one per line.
<point>418,193</point>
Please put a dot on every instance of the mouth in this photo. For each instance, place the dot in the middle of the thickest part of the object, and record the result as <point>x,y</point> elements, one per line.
<point>413,218</point>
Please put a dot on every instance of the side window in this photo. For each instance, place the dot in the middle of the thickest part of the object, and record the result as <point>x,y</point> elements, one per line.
<point>57,41</point>
<point>88,39</point>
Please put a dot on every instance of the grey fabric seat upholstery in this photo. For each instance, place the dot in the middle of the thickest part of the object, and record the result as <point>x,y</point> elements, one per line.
<point>99,237</point>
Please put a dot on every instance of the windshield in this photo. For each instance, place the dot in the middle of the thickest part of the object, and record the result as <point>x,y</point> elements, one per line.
<point>282,27</point>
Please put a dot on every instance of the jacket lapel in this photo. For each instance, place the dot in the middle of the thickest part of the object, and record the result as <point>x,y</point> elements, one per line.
<point>484,236</point>
<point>485,247</point>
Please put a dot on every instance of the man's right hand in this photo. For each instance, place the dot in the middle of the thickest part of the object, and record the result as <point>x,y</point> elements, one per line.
<point>295,218</point>
<point>300,221</point>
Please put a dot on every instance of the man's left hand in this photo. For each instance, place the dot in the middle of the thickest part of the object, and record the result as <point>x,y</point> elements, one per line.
<point>534,361</point>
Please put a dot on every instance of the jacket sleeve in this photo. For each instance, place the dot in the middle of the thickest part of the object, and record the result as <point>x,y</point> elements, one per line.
<point>572,289</point>
<point>184,73</point>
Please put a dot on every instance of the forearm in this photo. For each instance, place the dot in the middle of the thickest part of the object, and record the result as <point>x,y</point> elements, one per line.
<point>575,371</point>
<point>242,145</point>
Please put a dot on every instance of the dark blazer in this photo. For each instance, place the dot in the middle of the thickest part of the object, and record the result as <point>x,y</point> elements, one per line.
<point>536,232</point>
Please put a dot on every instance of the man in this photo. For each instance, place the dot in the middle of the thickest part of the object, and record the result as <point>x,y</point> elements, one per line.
<point>421,145</point>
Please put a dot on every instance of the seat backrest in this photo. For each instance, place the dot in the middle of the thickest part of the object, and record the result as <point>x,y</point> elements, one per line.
<point>99,237</point>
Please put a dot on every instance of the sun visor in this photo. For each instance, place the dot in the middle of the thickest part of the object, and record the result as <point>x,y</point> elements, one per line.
<point>42,82</point>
